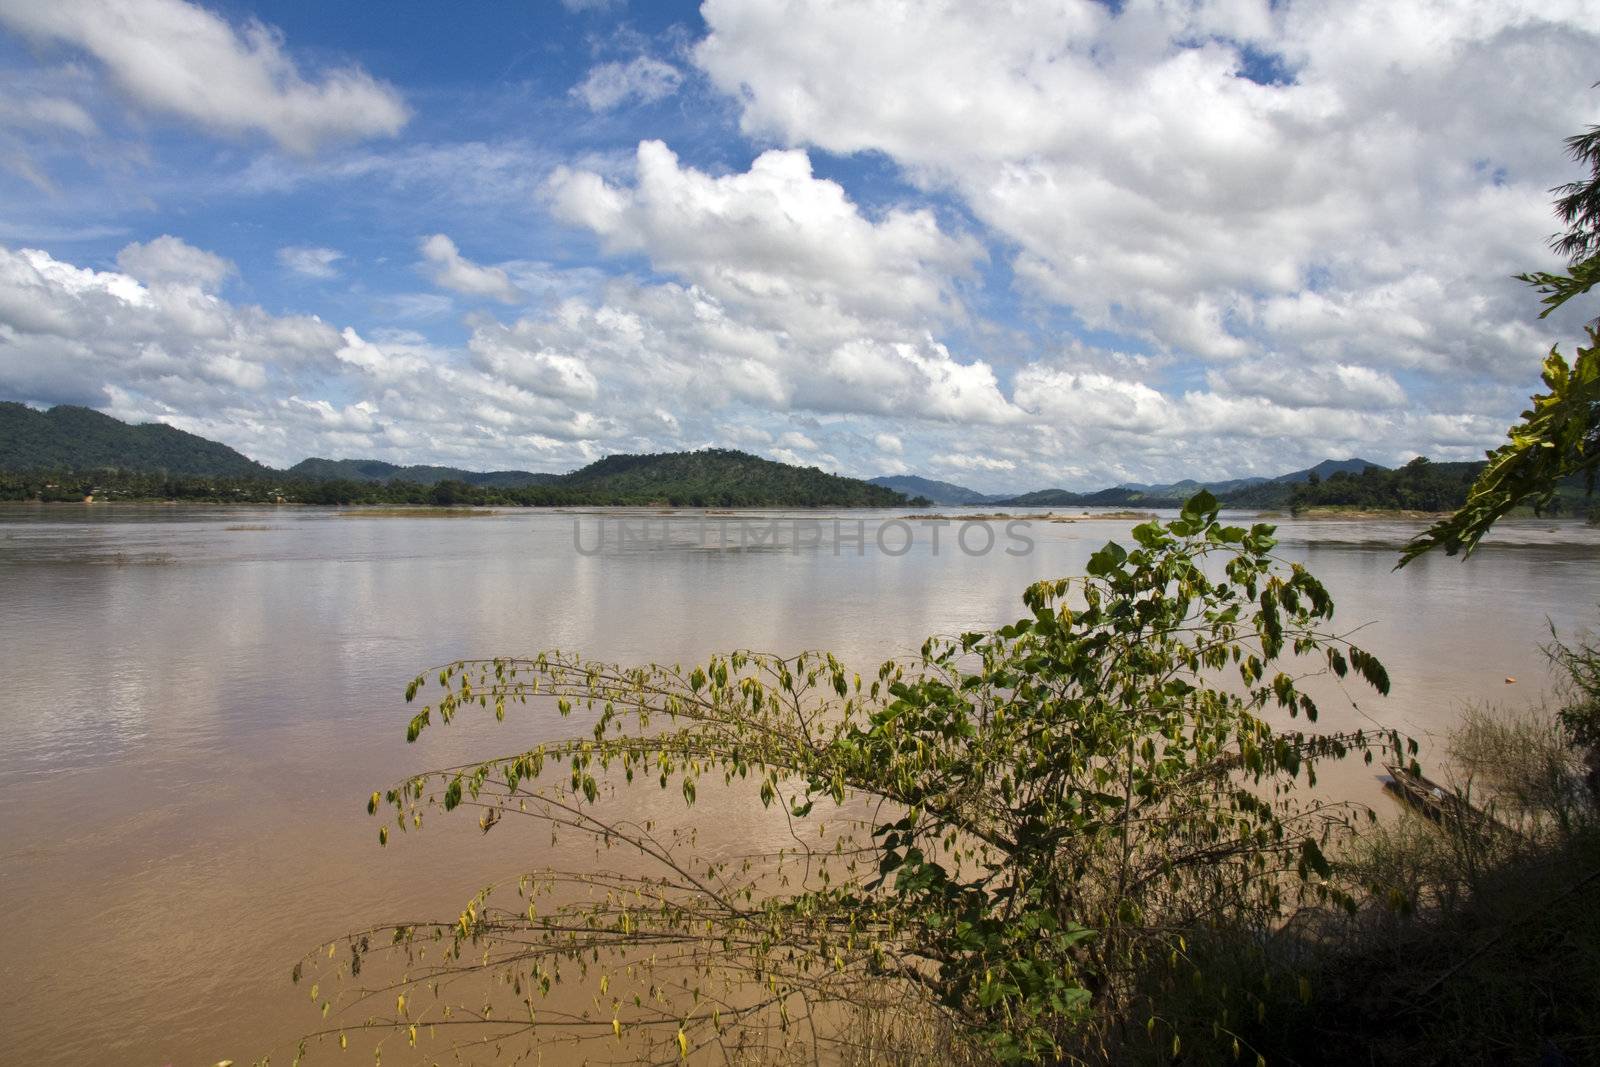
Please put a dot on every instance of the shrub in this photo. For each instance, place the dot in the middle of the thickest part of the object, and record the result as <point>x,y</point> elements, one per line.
<point>1026,829</point>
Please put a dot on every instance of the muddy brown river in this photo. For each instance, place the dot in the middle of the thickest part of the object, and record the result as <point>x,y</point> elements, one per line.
<point>195,703</point>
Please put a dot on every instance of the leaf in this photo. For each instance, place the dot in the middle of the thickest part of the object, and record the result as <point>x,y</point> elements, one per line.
<point>1108,559</point>
<point>1201,505</point>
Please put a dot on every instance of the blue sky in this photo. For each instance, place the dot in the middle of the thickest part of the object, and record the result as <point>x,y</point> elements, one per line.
<point>1069,245</point>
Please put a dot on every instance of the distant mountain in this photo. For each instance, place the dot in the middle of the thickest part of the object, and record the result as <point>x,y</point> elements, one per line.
<point>376,470</point>
<point>76,438</point>
<point>1188,487</point>
<point>1235,492</point>
<point>720,476</point>
<point>1329,467</point>
<point>1116,496</point>
<point>1279,492</point>
<point>936,492</point>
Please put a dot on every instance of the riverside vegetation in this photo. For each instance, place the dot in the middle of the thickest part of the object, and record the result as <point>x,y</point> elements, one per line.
<point>1026,845</point>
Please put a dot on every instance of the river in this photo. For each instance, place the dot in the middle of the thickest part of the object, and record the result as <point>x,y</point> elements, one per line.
<point>195,703</point>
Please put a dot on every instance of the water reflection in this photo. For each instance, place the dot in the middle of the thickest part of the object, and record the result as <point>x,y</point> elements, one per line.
<point>196,703</point>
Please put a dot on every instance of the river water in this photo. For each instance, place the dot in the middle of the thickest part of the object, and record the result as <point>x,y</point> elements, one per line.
<point>195,703</point>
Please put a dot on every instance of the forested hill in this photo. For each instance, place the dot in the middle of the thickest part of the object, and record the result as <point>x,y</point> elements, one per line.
<point>720,476</point>
<point>1420,485</point>
<point>376,470</point>
<point>75,438</point>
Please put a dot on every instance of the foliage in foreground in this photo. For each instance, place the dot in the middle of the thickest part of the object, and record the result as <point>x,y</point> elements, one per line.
<point>1559,436</point>
<point>1000,842</point>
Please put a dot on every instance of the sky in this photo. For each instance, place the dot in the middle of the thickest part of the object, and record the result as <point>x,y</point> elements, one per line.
<point>1012,245</point>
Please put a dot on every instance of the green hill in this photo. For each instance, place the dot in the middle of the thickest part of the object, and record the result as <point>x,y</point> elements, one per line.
<point>376,470</point>
<point>75,438</point>
<point>727,478</point>
<point>1420,485</point>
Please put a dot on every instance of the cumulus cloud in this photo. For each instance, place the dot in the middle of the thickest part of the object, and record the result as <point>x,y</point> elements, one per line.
<point>801,300</point>
<point>518,355</point>
<point>67,334</point>
<point>773,237</point>
<point>170,259</point>
<point>797,440</point>
<point>643,80</point>
<point>312,262</point>
<point>450,269</point>
<point>181,59</point>
<point>1292,382</point>
<point>1150,178</point>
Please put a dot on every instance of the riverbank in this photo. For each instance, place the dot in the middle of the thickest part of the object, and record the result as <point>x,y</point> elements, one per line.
<point>1353,514</point>
<point>1029,516</point>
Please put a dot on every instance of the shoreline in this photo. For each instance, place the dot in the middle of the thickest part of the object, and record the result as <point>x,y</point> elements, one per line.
<point>1338,514</point>
<point>661,509</point>
<point>1049,516</point>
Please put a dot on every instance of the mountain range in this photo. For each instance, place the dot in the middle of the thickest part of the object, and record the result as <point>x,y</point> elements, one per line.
<point>69,438</point>
<point>1239,492</point>
<point>111,459</point>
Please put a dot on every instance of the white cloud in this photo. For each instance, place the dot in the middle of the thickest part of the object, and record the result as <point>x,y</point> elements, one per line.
<point>517,355</point>
<point>972,462</point>
<point>773,238</point>
<point>1339,385</point>
<point>169,259</point>
<point>888,443</point>
<point>643,80</point>
<point>454,271</point>
<point>70,334</point>
<point>313,262</point>
<point>800,300</point>
<point>47,111</point>
<point>796,439</point>
<point>1367,210</point>
<point>181,59</point>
